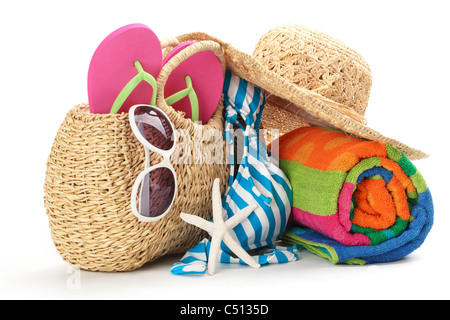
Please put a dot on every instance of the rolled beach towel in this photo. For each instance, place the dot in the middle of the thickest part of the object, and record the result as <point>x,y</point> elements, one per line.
<point>354,201</point>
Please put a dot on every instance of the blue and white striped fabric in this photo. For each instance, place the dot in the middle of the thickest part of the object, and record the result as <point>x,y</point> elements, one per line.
<point>196,259</point>
<point>258,180</point>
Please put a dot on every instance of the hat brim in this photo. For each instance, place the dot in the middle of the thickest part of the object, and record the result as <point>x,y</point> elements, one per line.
<point>288,101</point>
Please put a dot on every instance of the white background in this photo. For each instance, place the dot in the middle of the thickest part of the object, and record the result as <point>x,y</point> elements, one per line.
<point>45,50</point>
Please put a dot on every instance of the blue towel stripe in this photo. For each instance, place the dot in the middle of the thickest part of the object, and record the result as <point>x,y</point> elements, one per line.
<point>391,250</point>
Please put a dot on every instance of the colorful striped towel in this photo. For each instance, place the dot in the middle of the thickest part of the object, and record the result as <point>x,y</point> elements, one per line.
<point>354,201</point>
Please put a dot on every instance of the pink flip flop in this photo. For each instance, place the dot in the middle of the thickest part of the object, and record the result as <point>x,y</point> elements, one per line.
<point>123,70</point>
<point>177,49</point>
<point>195,86</point>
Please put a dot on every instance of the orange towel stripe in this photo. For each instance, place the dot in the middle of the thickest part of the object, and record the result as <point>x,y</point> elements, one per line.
<point>400,199</point>
<point>399,174</point>
<point>328,150</point>
<point>376,208</point>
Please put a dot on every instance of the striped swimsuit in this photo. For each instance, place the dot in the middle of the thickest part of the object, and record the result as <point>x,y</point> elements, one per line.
<point>258,180</point>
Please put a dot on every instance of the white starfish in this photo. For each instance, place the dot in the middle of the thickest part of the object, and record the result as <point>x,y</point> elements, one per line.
<point>219,229</point>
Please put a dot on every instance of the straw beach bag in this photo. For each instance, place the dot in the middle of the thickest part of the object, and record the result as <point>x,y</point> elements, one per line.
<point>91,169</point>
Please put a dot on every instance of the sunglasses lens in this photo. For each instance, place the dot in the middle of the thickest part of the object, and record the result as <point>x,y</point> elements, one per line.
<point>154,127</point>
<point>156,192</point>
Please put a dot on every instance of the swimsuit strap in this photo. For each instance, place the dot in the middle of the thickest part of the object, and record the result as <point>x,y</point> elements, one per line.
<point>243,101</point>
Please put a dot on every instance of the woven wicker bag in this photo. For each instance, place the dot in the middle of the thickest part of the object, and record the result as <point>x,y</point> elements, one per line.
<point>93,163</point>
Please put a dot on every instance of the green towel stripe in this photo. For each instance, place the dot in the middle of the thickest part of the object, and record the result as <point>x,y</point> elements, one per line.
<point>320,249</point>
<point>393,153</point>
<point>377,237</point>
<point>408,167</point>
<point>412,203</point>
<point>376,177</point>
<point>362,166</point>
<point>396,155</point>
<point>316,191</point>
<point>413,196</point>
<point>419,182</point>
<point>355,261</point>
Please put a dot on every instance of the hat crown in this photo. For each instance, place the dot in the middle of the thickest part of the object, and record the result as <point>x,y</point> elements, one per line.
<point>317,62</point>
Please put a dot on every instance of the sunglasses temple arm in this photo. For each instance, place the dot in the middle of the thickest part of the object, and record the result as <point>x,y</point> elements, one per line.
<point>147,158</point>
<point>144,192</point>
<point>144,206</point>
<point>131,85</point>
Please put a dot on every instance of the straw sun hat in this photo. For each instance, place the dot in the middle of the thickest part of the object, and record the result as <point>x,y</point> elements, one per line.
<point>310,79</point>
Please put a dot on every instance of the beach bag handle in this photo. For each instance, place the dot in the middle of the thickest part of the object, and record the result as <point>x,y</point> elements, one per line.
<point>181,57</point>
<point>169,43</point>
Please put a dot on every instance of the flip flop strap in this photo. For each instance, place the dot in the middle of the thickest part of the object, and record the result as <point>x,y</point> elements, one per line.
<point>190,92</point>
<point>176,61</point>
<point>132,84</point>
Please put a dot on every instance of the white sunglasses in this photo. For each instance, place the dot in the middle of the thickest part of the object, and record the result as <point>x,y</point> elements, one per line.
<point>155,188</point>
